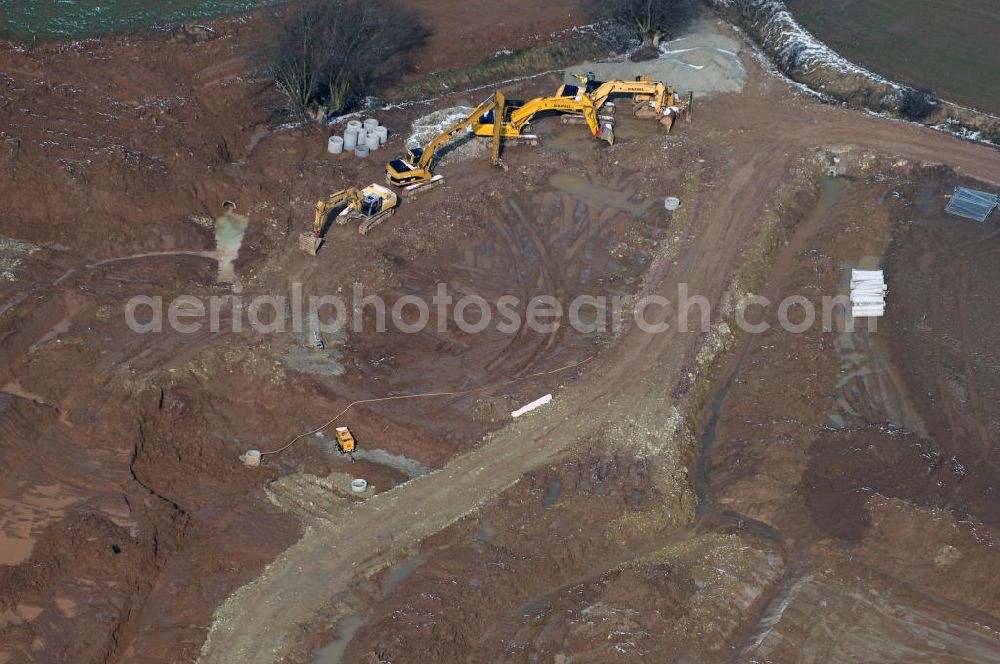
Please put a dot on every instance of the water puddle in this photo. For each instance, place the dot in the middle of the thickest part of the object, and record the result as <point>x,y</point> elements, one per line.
<point>597,196</point>
<point>401,573</point>
<point>552,494</point>
<point>574,139</point>
<point>707,441</point>
<point>62,327</point>
<point>487,533</point>
<point>832,190</point>
<point>333,652</point>
<point>229,231</point>
<point>409,467</point>
<point>318,353</point>
<point>258,136</point>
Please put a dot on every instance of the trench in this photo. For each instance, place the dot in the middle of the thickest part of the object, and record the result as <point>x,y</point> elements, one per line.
<point>831,191</point>
<point>707,514</point>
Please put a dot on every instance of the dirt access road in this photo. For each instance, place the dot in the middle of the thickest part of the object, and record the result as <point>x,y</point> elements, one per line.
<point>263,621</point>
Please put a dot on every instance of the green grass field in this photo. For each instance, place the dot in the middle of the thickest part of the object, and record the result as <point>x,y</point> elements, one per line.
<point>949,47</point>
<point>45,20</point>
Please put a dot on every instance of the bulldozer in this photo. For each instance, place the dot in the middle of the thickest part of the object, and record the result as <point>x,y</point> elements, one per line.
<point>413,171</point>
<point>372,205</point>
<point>651,99</point>
<point>517,116</point>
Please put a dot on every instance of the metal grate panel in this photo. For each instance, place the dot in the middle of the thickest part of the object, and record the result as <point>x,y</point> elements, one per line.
<point>971,204</point>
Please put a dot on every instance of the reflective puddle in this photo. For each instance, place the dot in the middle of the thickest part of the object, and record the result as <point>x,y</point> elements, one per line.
<point>229,231</point>
<point>596,195</point>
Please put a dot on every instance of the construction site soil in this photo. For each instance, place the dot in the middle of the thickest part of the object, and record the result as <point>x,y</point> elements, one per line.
<point>690,496</point>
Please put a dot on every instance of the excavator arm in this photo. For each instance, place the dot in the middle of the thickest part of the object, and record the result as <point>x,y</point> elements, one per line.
<point>522,115</point>
<point>498,112</point>
<point>656,92</point>
<point>664,103</point>
<point>495,102</point>
<point>350,196</point>
<point>516,118</point>
<point>414,170</point>
<point>310,242</point>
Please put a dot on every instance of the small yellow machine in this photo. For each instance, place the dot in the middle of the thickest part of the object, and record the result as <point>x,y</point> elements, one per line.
<point>345,440</point>
<point>413,172</point>
<point>373,205</point>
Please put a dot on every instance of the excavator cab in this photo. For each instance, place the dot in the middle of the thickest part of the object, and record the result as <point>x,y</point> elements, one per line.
<point>589,80</point>
<point>375,204</point>
<point>588,83</point>
<point>371,205</point>
<point>487,117</point>
<point>401,173</point>
<point>407,171</point>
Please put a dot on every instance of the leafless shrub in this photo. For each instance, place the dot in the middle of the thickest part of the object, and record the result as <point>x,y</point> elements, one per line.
<point>916,105</point>
<point>325,55</point>
<point>650,19</point>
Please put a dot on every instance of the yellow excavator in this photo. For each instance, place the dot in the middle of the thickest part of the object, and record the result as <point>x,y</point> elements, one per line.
<point>413,172</point>
<point>517,116</point>
<point>373,205</point>
<point>652,99</point>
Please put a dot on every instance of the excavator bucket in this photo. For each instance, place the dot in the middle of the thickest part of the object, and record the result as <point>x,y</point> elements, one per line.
<point>309,243</point>
<point>607,133</point>
<point>645,111</point>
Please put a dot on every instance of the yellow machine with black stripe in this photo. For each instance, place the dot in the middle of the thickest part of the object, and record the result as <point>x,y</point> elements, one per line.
<point>413,172</point>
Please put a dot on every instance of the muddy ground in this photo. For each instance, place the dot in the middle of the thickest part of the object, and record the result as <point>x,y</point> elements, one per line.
<point>822,496</point>
<point>828,491</point>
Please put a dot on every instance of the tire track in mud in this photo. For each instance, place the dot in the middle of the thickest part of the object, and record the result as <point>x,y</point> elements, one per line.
<point>975,402</point>
<point>503,226</point>
<point>956,272</point>
<point>251,625</point>
<point>258,622</point>
<point>548,284</point>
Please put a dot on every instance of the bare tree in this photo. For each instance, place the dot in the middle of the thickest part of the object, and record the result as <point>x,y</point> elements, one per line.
<point>324,54</point>
<point>650,19</point>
